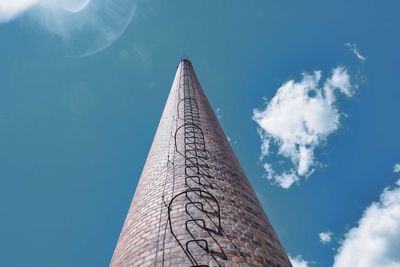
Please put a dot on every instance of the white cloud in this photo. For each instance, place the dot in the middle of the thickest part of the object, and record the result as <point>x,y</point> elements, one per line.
<point>285,180</point>
<point>353,48</point>
<point>375,241</point>
<point>299,262</point>
<point>396,167</point>
<point>297,120</point>
<point>325,237</point>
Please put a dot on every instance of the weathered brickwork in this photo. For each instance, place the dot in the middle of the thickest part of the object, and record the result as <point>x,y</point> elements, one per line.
<point>193,205</point>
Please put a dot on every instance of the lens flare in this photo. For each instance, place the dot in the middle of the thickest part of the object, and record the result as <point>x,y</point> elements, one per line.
<point>74,6</point>
<point>85,26</point>
<point>9,10</point>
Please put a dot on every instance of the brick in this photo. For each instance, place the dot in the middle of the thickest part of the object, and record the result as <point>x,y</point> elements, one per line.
<point>236,234</point>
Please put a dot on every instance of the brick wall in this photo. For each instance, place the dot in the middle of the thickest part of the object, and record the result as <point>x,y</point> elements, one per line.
<point>193,205</point>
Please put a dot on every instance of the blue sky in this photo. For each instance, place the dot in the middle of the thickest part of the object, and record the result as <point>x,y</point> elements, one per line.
<point>75,131</point>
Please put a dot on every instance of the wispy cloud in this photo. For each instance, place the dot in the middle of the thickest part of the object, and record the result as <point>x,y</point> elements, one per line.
<point>325,237</point>
<point>298,261</point>
<point>297,120</point>
<point>396,168</point>
<point>353,48</point>
<point>375,241</point>
<point>219,115</point>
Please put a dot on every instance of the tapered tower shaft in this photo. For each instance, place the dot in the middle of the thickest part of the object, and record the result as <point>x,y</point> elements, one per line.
<point>193,205</point>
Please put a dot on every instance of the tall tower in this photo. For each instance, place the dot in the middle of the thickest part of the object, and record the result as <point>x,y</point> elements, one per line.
<point>193,205</point>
